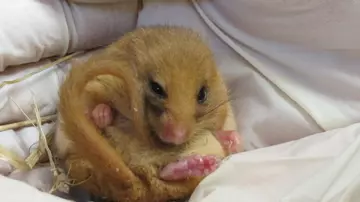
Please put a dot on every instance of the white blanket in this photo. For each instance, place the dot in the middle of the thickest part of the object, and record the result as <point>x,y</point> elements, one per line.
<point>35,29</point>
<point>18,103</point>
<point>18,98</point>
<point>323,167</point>
<point>16,191</point>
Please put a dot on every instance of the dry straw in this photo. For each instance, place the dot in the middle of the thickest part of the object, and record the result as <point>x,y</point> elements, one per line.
<point>47,66</point>
<point>44,139</point>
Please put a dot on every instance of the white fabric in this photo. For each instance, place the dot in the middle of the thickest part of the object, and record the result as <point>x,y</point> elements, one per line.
<point>41,178</point>
<point>17,104</point>
<point>18,99</point>
<point>314,57</point>
<point>286,83</point>
<point>16,191</point>
<point>43,87</point>
<point>22,141</point>
<point>33,29</point>
<point>323,167</point>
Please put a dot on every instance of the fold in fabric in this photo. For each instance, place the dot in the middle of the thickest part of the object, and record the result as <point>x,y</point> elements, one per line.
<point>323,167</point>
<point>32,29</point>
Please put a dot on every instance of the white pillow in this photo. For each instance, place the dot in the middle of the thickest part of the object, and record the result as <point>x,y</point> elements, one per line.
<point>32,29</point>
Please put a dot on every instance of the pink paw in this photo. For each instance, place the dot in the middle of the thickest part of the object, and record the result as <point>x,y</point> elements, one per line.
<point>230,141</point>
<point>192,166</point>
<point>102,115</point>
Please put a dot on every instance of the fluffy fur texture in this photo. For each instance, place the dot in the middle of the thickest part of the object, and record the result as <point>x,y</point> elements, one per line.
<point>123,162</point>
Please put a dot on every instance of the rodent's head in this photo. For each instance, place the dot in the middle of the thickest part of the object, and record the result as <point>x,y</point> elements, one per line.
<point>184,93</point>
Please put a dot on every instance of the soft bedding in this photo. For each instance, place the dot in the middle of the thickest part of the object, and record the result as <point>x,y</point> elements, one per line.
<point>17,104</point>
<point>15,191</point>
<point>17,98</point>
<point>35,29</point>
<point>322,167</point>
<point>281,91</point>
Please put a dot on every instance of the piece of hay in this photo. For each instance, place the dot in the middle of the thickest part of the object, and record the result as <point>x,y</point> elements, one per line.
<point>21,124</point>
<point>43,143</point>
<point>43,148</point>
<point>58,61</point>
<point>60,179</point>
<point>35,155</point>
<point>13,159</point>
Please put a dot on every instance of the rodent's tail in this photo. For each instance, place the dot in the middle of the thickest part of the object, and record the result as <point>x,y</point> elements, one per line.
<point>81,130</point>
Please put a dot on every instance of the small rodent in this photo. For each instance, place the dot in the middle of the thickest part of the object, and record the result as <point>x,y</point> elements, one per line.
<point>162,108</point>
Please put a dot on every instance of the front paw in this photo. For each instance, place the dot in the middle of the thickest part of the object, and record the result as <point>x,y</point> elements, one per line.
<point>192,166</point>
<point>230,141</point>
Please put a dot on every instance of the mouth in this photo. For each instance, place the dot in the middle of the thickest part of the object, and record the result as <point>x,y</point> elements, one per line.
<point>159,142</point>
<point>166,146</point>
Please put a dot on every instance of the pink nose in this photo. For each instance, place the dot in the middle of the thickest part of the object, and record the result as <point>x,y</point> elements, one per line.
<point>173,134</point>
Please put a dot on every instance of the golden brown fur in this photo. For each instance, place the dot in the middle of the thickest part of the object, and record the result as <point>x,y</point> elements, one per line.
<point>123,163</point>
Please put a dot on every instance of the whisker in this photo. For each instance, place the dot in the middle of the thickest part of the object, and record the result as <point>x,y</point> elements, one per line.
<point>219,105</point>
<point>230,98</point>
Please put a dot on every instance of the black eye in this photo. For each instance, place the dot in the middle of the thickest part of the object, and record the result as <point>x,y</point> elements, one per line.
<point>202,95</point>
<point>157,89</point>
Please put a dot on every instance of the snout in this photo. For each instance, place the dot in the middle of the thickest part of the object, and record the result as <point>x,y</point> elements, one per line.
<point>176,134</point>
